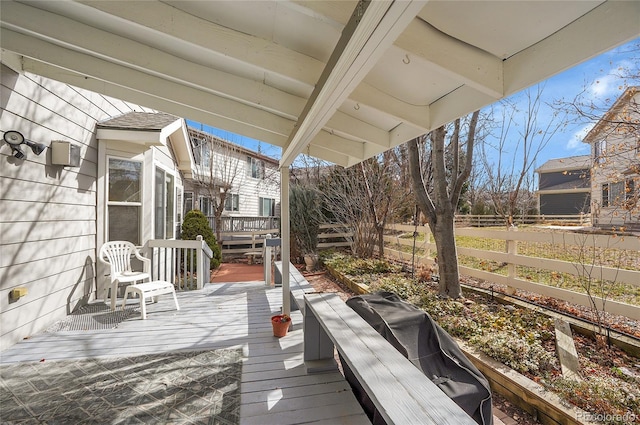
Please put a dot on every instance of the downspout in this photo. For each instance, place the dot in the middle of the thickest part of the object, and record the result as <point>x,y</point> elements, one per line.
<point>285,226</point>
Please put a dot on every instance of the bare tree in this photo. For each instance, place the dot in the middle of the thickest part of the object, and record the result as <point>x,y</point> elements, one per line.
<point>438,190</point>
<point>363,198</point>
<point>509,164</point>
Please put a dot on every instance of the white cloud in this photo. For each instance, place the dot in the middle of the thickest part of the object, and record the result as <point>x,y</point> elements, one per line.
<point>610,83</point>
<point>575,141</point>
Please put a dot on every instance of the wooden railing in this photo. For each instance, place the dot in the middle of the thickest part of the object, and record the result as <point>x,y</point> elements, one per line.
<point>245,224</point>
<point>240,243</point>
<point>502,246</point>
<point>496,221</point>
<point>181,262</point>
<point>333,235</point>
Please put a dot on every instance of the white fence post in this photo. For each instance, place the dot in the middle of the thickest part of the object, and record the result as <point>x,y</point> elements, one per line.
<point>267,260</point>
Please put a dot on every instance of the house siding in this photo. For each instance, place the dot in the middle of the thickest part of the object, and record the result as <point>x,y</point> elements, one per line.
<point>47,212</point>
<point>620,153</point>
<point>564,203</point>
<point>248,189</point>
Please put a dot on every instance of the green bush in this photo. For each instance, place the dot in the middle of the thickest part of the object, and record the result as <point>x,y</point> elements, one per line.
<point>195,223</point>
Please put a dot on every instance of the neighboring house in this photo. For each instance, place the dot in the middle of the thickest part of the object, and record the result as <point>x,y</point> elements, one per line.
<point>564,186</point>
<point>53,218</point>
<point>250,180</point>
<point>615,159</point>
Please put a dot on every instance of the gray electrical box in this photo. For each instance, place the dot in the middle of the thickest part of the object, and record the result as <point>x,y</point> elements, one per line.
<point>65,153</point>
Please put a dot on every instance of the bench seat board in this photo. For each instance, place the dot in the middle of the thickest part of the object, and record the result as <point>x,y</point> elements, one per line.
<point>402,394</point>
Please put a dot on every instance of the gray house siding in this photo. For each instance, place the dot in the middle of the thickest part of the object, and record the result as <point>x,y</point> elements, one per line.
<point>573,179</point>
<point>47,212</point>
<point>564,203</point>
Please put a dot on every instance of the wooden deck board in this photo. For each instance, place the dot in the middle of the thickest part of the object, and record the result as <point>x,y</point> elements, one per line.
<point>275,387</point>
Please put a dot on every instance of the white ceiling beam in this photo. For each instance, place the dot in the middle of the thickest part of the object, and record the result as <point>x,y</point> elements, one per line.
<point>210,37</point>
<point>372,29</point>
<point>611,23</point>
<point>150,101</point>
<point>366,94</point>
<point>456,104</point>
<point>140,81</point>
<point>148,59</point>
<point>475,67</point>
<point>339,144</point>
<point>329,155</point>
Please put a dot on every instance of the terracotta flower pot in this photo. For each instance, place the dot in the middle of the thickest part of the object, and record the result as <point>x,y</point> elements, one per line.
<point>280,325</point>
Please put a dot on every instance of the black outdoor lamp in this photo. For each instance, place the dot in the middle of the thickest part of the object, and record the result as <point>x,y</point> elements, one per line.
<point>15,139</point>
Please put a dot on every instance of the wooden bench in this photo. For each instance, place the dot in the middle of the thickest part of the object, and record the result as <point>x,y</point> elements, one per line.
<point>400,392</point>
<point>298,285</point>
<point>150,290</point>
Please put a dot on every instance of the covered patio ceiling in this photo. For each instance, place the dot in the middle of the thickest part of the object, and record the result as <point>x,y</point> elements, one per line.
<point>338,80</point>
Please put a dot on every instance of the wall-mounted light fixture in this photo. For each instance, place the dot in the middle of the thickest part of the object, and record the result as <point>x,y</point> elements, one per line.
<point>15,139</point>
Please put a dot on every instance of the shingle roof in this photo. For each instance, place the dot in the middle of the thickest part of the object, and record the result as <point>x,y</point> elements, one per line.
<point>148,121</point>
<point>569,163</point>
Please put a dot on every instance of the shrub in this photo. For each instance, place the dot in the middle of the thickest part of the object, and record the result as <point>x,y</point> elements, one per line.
<point>195,223</point>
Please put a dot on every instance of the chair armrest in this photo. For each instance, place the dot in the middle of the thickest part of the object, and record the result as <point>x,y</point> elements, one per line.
<point>146,262</point>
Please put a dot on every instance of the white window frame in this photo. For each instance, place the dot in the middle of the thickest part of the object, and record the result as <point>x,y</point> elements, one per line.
<point>137,204</point>
<point>272,206</point>
<point>255,168</point>
<point>232,199</point>
<point>168,230</point>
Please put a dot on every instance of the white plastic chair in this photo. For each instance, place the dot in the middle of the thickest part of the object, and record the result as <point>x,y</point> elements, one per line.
<point>117,256</point>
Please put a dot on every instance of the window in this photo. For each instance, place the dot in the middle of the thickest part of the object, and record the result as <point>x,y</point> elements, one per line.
<point>599,151</point>
<point>124,200</point>
<point>232,202</point>
<point>614,194</point>
<point>188,202</point>
<point>202,152</point>
<point>267,207</point>
<point>164,207</point>
<point>206,206</point>
<point>255,168</point>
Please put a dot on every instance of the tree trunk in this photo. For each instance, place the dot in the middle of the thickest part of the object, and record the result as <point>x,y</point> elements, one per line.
<point>444,237</point>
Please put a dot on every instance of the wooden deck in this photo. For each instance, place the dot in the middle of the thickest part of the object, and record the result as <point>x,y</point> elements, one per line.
<point>275,388</point>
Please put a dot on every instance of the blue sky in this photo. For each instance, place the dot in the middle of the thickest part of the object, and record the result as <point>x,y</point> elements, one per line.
<point>596,77</point>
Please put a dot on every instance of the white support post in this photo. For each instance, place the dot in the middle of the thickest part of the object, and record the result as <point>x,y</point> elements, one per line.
<point>285,226</point>
<point>267,261</point>
<point>200,262</point>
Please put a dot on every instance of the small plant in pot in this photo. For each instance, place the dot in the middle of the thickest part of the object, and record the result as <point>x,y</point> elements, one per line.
<point>280,323</point>
<point>305,216</point>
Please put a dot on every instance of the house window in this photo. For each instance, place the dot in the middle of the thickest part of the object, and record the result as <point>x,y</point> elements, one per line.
<point>267,207</point>
<point>605,195</point>
<point>164,206</point>
<point>614,194</point>
<point>599,151</point>
<point>202,152</point>
<point>188,202</point>
<point>124,200</point>
<point>206,206</point>
<point>255,168</point>
<point>232,202</point>
<point>630,193</point>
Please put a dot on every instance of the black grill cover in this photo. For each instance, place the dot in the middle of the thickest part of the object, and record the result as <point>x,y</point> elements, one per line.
<point>429,347</point>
